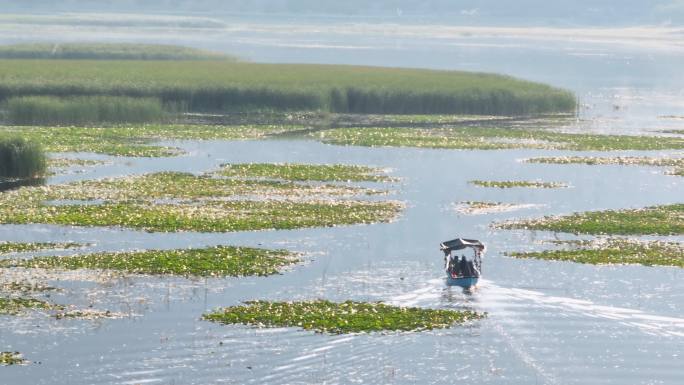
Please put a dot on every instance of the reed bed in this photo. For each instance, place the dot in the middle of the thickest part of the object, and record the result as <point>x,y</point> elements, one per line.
<point>235,86</point>
<point>83,110</point>
<point>107,51</point>
<point>20,158</point>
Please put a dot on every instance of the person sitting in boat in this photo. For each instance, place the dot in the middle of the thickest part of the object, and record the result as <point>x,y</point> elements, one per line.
<point>467,268</point>
<point>453,264</point>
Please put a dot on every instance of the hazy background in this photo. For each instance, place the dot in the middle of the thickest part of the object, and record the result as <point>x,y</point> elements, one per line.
<point>473,12</point>
<point>623,59</point>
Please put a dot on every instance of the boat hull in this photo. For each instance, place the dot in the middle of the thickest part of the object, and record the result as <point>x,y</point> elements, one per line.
<point>464,282</point>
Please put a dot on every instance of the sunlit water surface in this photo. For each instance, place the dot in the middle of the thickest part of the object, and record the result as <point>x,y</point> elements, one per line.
<point>547,323</point>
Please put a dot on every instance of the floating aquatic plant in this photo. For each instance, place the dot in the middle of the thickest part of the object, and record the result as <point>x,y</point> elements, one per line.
<point>185,202</point>
<point>305,172</point>
<point>655,220</point>
<point>677,163</point>
<point>217,261</point>
<point>135,140</point>
<point>478,208</point>
<point>12,358</point>
<point>14,306</point>
<point>492,138</point>
<point>19,247</point>
<point>518,183</point>
<point>24,287</point>
<point>614,251</point>
<point>346,317</point>
<point>208,217</point>
<point>88,314</point>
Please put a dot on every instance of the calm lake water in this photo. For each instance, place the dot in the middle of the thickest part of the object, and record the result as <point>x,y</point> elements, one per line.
<point>548,322</point>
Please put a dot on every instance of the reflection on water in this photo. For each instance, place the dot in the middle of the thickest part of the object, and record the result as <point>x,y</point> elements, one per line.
<point>6,185</point>
<point>544,318</point>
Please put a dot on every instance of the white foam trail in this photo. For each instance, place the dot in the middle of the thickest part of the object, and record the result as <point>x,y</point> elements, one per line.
<point>648,323</point>
<point>505,299</point>
<point>430,292</point>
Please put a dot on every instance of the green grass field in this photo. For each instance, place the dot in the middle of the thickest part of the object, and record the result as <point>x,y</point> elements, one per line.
<point>236,86</point>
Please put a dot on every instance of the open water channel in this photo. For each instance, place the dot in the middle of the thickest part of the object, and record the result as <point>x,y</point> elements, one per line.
<point>548,322</point>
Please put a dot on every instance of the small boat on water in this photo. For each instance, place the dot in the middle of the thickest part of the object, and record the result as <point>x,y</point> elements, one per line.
<point>464,270</point>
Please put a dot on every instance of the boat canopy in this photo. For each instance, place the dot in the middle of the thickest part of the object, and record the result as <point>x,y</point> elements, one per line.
<point>460,244</point>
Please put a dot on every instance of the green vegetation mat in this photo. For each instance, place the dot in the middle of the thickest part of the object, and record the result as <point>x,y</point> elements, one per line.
<point>14,306</point>
<point>24,287</point>
<point>181,186</point>
<point>305,172</point>
<point>12,358</point>
<point>491,138</point>
<point>620,160</point>
<point>18,247</point>
<point>185,202</point>
<point>478,208</point>
<point>107,51</point>
<point>615,251</point>
<point>677,163</point>
<point>517,183</point>
<point>236,86</point>
<point>337,318</point>
<point>135,140</point>
<point>87,314</point>
<point>217,261</point>
<point>656,220</point>
<point>60,165</point>
<point>214,217</point>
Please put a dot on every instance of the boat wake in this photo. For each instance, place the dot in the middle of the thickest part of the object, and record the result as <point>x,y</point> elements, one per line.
<point>494,299</point>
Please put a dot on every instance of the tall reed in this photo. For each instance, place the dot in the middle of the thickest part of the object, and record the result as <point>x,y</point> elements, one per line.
<point>20,158</point>
<point>51,110</point>
<point>228,86</point>
<point>107,51</point>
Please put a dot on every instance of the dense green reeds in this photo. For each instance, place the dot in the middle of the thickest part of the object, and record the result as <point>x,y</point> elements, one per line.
<point>107,51</point>
<point>51,110</point>
<point>20,158</point>
<point>235,86</point>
